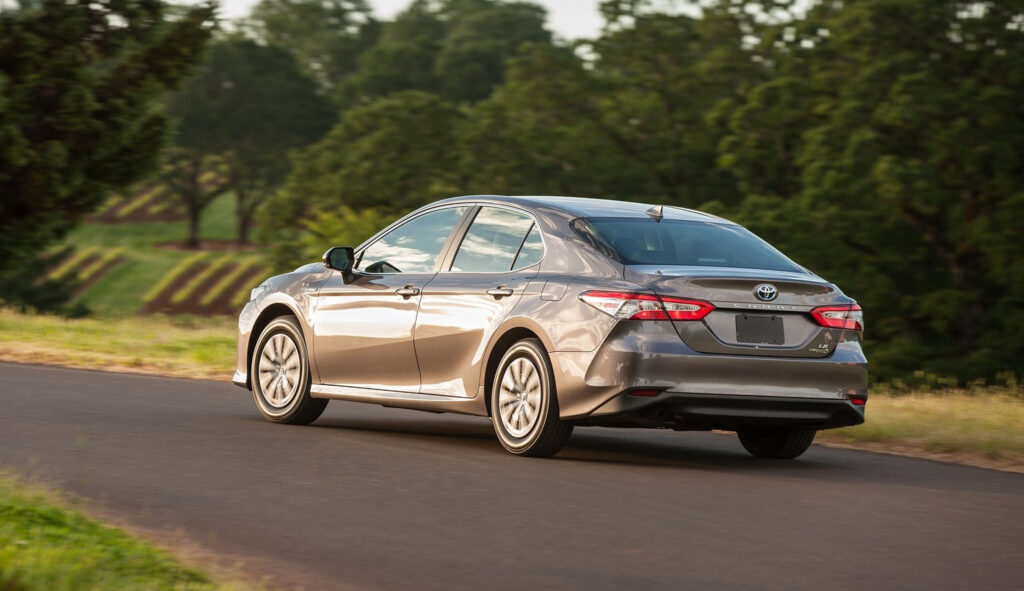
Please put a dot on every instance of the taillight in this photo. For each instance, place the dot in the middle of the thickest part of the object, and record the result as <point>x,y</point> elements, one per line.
<point>645,306</point>
<point>848,317</point>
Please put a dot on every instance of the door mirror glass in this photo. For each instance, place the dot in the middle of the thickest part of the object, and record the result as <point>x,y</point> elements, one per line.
<point>339,258</point>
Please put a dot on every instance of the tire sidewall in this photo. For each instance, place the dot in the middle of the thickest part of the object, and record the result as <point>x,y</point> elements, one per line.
<point>290,328</point>
<point>536,356</point>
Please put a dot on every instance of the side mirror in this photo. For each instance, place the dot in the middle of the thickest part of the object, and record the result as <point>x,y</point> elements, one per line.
<point>340,258</point>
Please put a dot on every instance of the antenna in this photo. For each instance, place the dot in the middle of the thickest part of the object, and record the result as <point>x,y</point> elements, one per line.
<point>656,213</point>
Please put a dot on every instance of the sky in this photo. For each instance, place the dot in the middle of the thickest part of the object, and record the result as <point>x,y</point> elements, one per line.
<point>569,19</point>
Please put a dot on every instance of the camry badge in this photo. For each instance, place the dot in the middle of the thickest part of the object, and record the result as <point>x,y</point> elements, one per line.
<point>766,292</point>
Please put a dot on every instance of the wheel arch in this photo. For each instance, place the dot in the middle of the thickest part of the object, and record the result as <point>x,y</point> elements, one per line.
<point>511,333</point>
<point>266,316</point>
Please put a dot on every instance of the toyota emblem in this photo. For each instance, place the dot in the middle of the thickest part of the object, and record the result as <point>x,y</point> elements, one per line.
<point>766,292</point>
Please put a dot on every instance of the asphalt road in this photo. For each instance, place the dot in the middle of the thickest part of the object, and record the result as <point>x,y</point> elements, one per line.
<point>375,498</point>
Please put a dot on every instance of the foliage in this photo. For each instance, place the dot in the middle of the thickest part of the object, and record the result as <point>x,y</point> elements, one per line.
<point>391,155</point>
<point>455,48</point>
<point>79,113</point>
<point>326,37</point>
<point>251,105</point>
<point>887,147</point>
<point>30,286</point>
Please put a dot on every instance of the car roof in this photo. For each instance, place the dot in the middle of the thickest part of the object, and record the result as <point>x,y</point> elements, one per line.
<point>588,207</point>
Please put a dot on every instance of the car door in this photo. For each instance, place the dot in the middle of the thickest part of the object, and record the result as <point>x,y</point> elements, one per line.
<point>461,307</point>
<point>363,329</point>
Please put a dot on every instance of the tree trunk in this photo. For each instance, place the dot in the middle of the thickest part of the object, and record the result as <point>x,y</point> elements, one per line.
<point>193,227</point>
<point>244,223</point>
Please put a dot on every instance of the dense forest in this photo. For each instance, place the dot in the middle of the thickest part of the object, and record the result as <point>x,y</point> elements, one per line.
<point>879,143</point>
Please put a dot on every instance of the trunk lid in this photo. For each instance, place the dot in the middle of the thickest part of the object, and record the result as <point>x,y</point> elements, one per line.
<point>776,323</point>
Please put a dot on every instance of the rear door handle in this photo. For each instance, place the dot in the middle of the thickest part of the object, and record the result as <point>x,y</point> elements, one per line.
<point>500,292</point>
<point>408,291</point>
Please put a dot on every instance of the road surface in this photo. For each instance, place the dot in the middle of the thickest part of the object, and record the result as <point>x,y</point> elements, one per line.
<point>375,498</point>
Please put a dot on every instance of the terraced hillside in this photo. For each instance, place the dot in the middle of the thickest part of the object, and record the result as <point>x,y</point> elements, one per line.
<point>148,201</point>
<point>122,266</point>
<point>205,283</point>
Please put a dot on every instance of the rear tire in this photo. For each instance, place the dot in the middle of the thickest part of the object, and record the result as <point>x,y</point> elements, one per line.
<point>524,404</point>
<point>279,373</point>
<point>780,443</point>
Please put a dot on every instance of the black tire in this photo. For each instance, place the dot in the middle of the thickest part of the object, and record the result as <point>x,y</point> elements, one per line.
<point>546,434</point>
<point>290,403</point>
<point>780,443</point>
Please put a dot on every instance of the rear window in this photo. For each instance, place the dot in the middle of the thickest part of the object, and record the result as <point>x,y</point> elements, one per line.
<point>636,241</point>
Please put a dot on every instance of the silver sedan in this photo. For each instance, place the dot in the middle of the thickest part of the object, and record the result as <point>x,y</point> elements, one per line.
<point>548,313</point>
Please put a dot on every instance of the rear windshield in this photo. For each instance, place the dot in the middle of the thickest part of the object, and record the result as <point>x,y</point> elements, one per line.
<point>636,241</point>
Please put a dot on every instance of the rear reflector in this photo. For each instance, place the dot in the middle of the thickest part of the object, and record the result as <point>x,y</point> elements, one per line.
<point>645,306</point>
<point>848,317</point>
<point>644,392</point>
<point>858,401</point>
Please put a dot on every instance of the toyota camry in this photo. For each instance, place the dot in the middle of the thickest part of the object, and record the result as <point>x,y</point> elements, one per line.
<point>549,313</point>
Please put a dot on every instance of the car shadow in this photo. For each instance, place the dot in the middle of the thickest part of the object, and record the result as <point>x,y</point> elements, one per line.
<point>710,451</point>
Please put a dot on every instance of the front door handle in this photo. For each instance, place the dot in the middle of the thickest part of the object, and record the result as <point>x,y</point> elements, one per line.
<point>408,291</point>
<point>500,292</point>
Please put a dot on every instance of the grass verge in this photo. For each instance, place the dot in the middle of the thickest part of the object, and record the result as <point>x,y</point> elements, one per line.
<point>981,426</point>
<point>46,546</point>
<point>183,346</point>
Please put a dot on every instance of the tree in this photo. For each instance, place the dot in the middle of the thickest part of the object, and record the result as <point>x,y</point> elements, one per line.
<point>326,37</point>
<point>894,133</point>
<point>80,85</point>
<point>481,37</point>
<point>631,124</point>
<point>455,48</point>
<point>251,105</point>
<point>392,155</point>
<point>184,174</point>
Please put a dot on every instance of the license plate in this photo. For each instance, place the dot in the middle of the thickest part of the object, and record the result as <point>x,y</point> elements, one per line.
<point>759,329</point>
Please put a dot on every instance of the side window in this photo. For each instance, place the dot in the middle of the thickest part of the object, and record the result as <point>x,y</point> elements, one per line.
<point>532,251</point>
<point>414,246</point>
<point>491,244</point>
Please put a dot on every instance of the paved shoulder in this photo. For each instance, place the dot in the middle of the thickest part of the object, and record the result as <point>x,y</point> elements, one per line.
<point>387,499</point>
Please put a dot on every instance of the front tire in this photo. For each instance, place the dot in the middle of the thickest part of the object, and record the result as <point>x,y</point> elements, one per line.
<point>780,443</point>
<point>279,372</point>
<point>524,405</point>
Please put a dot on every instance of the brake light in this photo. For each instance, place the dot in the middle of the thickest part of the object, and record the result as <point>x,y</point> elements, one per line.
<point>645,306</point>
<point>848,317</point>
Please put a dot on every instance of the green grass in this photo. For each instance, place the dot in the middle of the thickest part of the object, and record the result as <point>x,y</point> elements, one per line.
<point>173,345</point>
<point>47,546</point>
<point>986,422</point>
<point>122,291</point>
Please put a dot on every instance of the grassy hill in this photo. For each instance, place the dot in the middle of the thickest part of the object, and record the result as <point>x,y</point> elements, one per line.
<point>134,263</point>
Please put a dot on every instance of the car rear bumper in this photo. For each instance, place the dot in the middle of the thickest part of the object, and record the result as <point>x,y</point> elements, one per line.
<point>728,412</point>
<point>651,355</point>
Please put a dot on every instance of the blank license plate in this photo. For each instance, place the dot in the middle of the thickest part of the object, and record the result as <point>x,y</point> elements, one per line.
<point>759,329</point>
